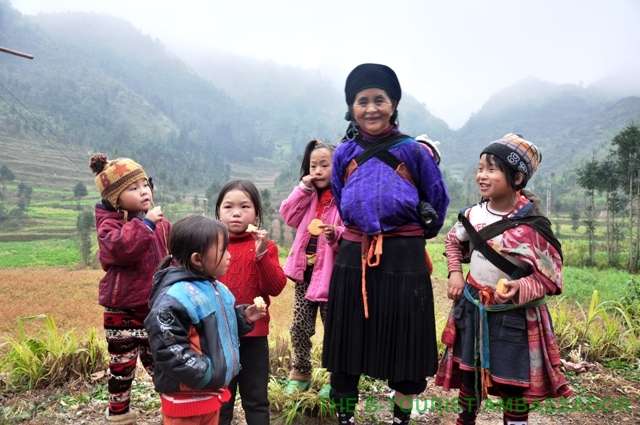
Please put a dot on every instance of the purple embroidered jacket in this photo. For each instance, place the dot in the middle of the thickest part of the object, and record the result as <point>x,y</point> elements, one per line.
<point>376,199</point>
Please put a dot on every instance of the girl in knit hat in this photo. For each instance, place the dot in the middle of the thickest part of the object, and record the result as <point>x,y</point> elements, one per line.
<point>499,337</point>
<point>132,240</point>
<point>380,319</point>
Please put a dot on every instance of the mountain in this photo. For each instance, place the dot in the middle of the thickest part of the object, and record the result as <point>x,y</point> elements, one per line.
<point>623,83</point>
<point>295,105</point>
<point>568,122</point>
<point>98,84</point>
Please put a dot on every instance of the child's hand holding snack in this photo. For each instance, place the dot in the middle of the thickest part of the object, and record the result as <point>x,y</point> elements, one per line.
<point>505,290</point>
<point>257,310</point>
<point>262,239</point>
<point>154,214</point>
<point>329,231</point>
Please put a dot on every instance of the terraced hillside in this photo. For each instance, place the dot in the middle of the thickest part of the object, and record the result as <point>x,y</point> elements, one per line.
<point>44,163</point>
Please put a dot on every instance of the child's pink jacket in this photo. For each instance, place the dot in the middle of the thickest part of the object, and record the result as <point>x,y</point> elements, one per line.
<point>297,211</point>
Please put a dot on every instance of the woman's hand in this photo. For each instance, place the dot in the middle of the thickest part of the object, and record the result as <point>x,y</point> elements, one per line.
<point>455,285</point>
<point>512,290</point>
<point>254,313</point>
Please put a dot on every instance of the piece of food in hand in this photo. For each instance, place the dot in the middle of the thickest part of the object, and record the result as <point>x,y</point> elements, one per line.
<point>252,228</point>
<point>315,227</point>
<point>501,287</point>
<point>260,304</point>
<point>493,244</point>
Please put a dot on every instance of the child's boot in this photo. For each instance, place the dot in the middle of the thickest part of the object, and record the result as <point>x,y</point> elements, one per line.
<point>400,415</point>
<point>325,392</point>
<point>122,419</point>
<point>346,407</point>
<point>468,405</point>
<point>297,382</point>
<point>346,418</point>
<point>515,411</point>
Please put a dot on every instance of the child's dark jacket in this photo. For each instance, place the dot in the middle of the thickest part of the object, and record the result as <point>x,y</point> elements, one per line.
<point>130,253</point>
<point>194,332</point>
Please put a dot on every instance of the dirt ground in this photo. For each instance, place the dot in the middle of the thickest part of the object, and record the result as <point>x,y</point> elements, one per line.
<point>70,296</point>
<point>604,396</point>
<point>616,393</point>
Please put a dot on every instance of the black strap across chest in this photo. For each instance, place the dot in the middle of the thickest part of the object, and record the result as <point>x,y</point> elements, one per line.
<point>480,243</point>
<point>380,150</point>
<point>479,239</point>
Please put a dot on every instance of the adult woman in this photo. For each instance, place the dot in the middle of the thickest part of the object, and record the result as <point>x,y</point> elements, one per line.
<point>380,319</point>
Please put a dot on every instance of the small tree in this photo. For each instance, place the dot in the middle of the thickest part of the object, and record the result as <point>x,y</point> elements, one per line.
<point>267,208</point>
<point>575,218</point>
<point>588,176</point>
<point>85,224</point>
<point>79,192</point>
<point>6,175</point>
<point>608,183</point>
<point>212,195</point>
<point>24,196</point>
<point>558,229</point>
<point>4,214</point>
<point>626,148</point>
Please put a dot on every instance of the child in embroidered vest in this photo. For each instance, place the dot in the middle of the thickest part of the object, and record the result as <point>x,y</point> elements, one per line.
<point>499,338</point>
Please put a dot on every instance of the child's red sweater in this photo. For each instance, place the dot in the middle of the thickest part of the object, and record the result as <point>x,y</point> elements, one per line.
<point>249,277</point>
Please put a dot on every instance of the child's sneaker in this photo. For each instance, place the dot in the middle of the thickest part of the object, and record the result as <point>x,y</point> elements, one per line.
<point>295,385</point>
<point>123,419</point>
<point>346,419</point>
<point>401,416</point>
<point>325,392</point>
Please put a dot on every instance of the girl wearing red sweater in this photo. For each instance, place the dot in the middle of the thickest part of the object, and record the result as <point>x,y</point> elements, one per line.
<point>254,272</point>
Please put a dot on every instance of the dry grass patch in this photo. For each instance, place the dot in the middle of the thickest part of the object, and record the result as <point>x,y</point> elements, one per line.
<point>69,296</point>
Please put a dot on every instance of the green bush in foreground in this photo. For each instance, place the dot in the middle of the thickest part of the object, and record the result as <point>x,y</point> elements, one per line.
<point>604,331</point>
<point>50,358</point>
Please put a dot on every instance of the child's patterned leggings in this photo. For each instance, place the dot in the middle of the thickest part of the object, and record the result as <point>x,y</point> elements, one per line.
<point>126,341</point>
<point>304,327</point>
<point>515,411</point>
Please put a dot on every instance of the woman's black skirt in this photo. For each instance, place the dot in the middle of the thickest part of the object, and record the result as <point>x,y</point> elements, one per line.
<point>398,341</point>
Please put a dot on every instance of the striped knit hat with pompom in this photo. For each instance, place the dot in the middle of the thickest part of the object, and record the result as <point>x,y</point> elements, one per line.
<point>113,177</point>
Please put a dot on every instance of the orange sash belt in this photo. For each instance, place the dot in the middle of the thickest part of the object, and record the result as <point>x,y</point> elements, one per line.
<point>371,252</point>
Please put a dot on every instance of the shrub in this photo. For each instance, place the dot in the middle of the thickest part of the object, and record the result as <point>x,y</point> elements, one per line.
<point>51,358</point>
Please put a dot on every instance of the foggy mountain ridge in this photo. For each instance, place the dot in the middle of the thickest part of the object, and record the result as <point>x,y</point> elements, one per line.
<point>98,81</point>
<point>568,122</point>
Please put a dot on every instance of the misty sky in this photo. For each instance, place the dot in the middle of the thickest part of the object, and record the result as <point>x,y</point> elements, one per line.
<point>451,55</point>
